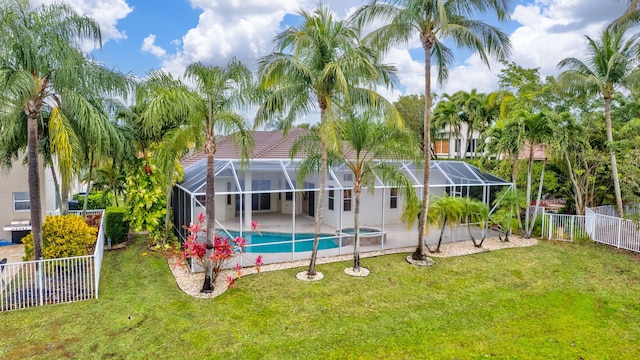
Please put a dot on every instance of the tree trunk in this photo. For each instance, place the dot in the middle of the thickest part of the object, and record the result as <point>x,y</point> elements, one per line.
<point>527,211</point>
<point>86,194</point>
<point>444,224</point>
<point>612,153</point>
<point>576,188</point>
<point>167,217</point>
<point>356,226</point>
<point>538,199</point>
<point>115,182</point>
<point>420,253</point>
<point>56,185</point>
<point>318,219</point>
<point>210,208</point>
<point>34,181</point>
<point>65,198</point>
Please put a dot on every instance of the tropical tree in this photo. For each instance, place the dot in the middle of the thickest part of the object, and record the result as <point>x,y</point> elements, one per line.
<point>536,129</point>
<point>630,17</point>
<point>475,212</point>
<point>210,111</point>
<point>612,64</point>
<point>445,210</point>
<point>369,141</point>
<point>320,65</point>
<point>163,131</point>
<point>510,203</point>
<point>435,21</point>
<point>448,117</point>
<point>42,66</point>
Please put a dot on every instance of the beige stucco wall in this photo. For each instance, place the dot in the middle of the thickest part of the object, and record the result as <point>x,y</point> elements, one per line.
<point>16,180</point>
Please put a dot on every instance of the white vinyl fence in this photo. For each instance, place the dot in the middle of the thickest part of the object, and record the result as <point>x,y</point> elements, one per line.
<point>595,225</point>
<point>53,281</point>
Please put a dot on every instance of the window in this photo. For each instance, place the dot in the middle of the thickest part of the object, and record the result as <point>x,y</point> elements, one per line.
<point>21,201</point>
<point>202,199</point>
<point>441,146</point>
<point>229,195</point>
<point>261,201</point>
<point>288,196</point>
<point>347,177</point>
<point>347,200</point>
<point>457,145</point>
<point>393,198</point>
<point>471,145</point>
<point>331,198</point>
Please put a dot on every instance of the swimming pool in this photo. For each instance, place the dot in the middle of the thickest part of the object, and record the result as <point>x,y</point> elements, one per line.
<point>273,242</point>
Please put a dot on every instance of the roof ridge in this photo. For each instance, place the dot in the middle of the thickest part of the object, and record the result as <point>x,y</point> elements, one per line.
<point>279,142</point>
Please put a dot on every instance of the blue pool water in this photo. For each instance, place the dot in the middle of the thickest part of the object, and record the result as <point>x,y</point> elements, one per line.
<point>272,242</point>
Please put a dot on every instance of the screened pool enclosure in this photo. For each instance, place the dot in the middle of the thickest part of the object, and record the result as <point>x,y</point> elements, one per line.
<point>268,192</point>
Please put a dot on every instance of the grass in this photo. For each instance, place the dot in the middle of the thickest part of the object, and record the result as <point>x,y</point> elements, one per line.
<point>548,301</point>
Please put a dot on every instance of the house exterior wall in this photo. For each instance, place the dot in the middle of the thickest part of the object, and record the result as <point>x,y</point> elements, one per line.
<point>446,146</point>
<point>16,180</point>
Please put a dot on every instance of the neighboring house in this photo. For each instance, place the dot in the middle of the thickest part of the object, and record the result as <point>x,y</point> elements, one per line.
<point>15,217</point>
<point>269,187</point>
<point>447,145</point>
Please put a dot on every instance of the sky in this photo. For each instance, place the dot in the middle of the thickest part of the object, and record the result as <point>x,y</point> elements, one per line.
<point>144,35</point>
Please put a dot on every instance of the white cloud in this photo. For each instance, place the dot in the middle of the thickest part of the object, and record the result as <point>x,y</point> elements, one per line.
<point>549,31</point>
<point>106,12</point>
<point>149,46</point>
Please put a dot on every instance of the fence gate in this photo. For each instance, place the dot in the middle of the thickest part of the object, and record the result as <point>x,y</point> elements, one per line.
<point>564,227</point>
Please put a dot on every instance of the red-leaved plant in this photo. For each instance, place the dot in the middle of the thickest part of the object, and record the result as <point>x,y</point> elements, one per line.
<point>224,250</point>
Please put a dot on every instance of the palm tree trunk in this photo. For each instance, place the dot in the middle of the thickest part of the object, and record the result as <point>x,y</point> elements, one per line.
<point>420,253</point>
<point>356,225</point>
<point>56,185</point>
<point>527,211</point>
<point>612,153</point>
<point>444,224</point>
<point>115,182</point>
<point>318,219</point>
<point>86,194</point>
<point>538,198</point>
<point>34,182</point>
<point>576,188</point>
<point>210,208</point>
<point>65,198</point>
<point>167,216</point>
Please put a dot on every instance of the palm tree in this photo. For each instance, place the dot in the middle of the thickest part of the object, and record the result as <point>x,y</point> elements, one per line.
<point>41,66</point>
<point>445,210</point>
<point>475,212</point>
<point>369,142</point>
<point>210,111</point>
<point>320,64</point>
<point>535,129</point>
<point>612,64</point>
<point>511,202</point>
<point>160,122</point>
<point>447,117</point>
<point>630,17</point>
<point>435,21</point>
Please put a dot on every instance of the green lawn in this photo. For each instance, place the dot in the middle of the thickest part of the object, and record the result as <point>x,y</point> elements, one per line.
<point>551,301</point>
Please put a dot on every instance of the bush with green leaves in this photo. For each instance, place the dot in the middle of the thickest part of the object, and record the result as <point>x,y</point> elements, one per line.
<point>97,200</point>
<point>63,236</point>
<point>117,227</point>
<point>146,199</point>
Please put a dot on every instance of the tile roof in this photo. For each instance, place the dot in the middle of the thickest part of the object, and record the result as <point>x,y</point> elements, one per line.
<point>268,145</point>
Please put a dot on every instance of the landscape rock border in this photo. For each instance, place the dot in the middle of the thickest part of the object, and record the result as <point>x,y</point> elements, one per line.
<point>191,283</point>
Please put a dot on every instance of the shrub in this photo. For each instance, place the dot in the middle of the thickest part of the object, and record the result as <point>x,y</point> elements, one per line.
<point>63,236</point>
<point>97,200</point>
<point>117,228</point>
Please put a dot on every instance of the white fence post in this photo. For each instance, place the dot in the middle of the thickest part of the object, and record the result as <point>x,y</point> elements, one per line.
<point>619,231</point>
